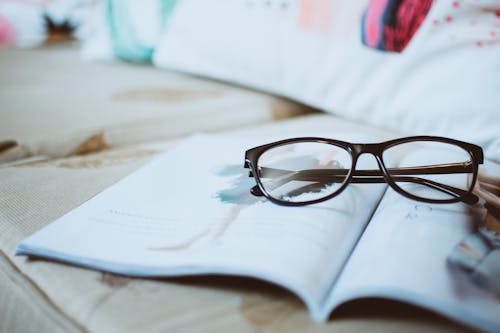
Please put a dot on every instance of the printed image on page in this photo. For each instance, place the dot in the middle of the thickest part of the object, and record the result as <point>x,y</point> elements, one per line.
<point>190,211</point>
<point>403,254</point>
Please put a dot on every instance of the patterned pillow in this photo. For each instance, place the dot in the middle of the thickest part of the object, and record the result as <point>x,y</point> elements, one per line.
<point>443,77</point>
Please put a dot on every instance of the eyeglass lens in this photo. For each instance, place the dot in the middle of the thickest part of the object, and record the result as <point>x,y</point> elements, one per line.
<point>430,169</point>
<point>304,171</point>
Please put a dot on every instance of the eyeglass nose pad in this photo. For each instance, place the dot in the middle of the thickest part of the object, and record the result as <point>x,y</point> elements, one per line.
<point>256,191</point>
<point>380,164</point>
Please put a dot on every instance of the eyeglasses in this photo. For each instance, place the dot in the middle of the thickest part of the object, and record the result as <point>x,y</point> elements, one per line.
<point>302,171</point>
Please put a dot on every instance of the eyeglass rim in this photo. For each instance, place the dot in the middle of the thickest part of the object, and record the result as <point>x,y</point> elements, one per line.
<point>252,156</point>
<point>376,149</point>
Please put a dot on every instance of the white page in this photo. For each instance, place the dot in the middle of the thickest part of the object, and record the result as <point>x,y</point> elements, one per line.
<point>190,212</point>
<point>403,255</point>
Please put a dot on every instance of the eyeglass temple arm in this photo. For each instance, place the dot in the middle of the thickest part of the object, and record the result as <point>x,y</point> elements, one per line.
<point>376,176</point>
<point>421,170</point>
<point>366,176</point>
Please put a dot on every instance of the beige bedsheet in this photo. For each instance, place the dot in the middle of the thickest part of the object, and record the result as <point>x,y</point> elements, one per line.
<point>54,104</point>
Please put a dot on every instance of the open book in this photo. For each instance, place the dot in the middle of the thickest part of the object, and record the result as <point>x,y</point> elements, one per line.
<point>190,211</point>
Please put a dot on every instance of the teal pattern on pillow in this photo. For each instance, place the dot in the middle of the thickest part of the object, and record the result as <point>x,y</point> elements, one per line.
<point>124,40</point>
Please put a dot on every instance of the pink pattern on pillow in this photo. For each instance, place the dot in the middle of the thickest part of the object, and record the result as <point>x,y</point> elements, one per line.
<point>7,33</point>
<point>389,25</point>
<point>373,25</point>
<point>409,16</point>
<point>470,21</point>
<point>315,15</point>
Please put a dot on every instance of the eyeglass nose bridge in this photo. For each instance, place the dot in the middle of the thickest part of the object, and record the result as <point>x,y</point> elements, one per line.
<point>367,148</point>
<point>376,151</point>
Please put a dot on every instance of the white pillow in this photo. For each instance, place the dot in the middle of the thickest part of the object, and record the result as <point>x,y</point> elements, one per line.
<point>446,82</point>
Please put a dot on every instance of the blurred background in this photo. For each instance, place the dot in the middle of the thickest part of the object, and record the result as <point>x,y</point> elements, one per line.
<point>411,67</point>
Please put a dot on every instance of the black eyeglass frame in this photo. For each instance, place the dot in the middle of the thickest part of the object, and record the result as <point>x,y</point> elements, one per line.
<point>370,176</point>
